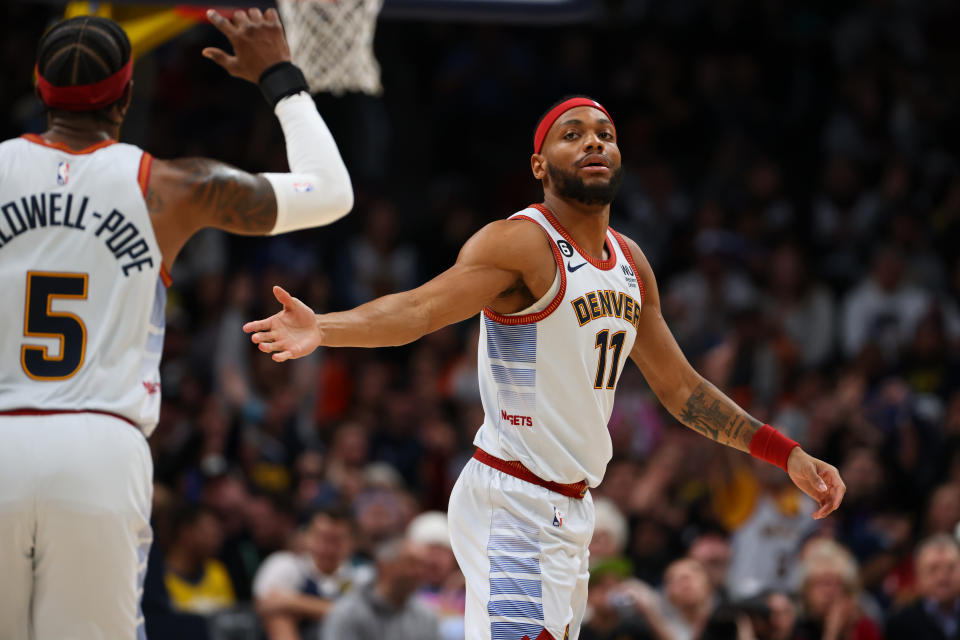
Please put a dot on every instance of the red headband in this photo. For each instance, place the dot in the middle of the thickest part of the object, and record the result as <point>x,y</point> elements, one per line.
<point>556,112</point>
<point>85,97</point>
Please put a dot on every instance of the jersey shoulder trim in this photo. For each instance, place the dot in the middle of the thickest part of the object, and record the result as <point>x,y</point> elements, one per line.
<point>143,173</point>
<point>59,146</point>
<point>603,265</point>
<point>557,299</point>
<point>633,265</point>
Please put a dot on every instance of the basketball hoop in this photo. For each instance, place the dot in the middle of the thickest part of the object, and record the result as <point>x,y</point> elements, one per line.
<point>332,42</point>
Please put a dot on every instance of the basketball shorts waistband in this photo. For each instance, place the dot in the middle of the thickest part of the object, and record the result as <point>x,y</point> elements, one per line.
<point>516,469</point>
<point>53,412</point>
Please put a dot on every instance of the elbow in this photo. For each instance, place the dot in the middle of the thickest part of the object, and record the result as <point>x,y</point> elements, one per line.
<point>675,395</point>
<point>345,199</point>
<point>341,197</point>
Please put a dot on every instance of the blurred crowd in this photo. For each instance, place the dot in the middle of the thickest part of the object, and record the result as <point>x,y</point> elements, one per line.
<point>791,173</point>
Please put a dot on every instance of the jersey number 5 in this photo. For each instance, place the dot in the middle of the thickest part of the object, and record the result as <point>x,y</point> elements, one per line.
<point>41,322</point>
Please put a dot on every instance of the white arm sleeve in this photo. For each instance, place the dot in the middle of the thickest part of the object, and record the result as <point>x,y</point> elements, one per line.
<point>317,191</point>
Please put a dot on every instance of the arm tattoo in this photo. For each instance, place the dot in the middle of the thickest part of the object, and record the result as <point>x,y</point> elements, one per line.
<point>709,412</point>
<point>705,413</point>
<point>234,200</point>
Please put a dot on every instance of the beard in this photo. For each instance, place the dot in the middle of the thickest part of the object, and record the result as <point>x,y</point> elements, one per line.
<point>569,185</point>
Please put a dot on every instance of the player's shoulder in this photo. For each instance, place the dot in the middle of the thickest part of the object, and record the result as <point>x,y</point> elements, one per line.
<point>521,226</point>
<point>10,143</point>
<point>14,149</point>
<point>516,240</point>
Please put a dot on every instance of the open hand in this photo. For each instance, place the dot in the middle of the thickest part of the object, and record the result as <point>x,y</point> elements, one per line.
<point>257,40</point>
<point>817,479</point>
<point>292,333</point>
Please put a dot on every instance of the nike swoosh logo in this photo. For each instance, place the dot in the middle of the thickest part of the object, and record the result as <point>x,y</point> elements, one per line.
<point>572,268</point>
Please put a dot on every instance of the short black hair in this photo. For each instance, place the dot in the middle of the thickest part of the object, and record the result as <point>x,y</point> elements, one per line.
<point>82,50</point>
<point>337,512</point>
<point>187,515</point>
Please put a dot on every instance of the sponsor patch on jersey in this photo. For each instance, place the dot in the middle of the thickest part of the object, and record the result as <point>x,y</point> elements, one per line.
<point>558,517</point>
<point>63,173</point>
<point>303,187</point>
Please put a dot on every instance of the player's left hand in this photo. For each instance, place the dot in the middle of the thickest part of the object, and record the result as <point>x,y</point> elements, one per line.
<point>257,39</point>
<point>817,479</point>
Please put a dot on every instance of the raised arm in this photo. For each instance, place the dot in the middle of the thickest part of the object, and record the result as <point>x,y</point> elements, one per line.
<point>188,194</point>
<point>702,407</point>
<point>505,265</point>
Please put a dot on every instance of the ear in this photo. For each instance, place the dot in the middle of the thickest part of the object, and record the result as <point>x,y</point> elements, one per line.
<point>124,102</point>
<point>538,164</point>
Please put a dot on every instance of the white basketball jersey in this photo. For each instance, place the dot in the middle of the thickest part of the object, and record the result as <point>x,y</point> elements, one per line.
<point>547,379</point>
<point>80,272</point>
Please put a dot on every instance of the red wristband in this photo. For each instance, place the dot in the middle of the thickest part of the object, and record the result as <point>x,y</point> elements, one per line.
<point>772,446</point>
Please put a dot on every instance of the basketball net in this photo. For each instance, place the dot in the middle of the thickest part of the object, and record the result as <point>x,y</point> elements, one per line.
<point>332,42</point>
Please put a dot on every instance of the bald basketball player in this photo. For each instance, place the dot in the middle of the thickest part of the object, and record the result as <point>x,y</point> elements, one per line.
<point>564,300</point>
<point>89,228</point>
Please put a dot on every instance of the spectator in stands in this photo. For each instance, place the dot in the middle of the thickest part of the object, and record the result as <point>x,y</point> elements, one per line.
<point>700,300</point>
<point>377,263</point>
<point>226,494</point>
<point>381,509</point>
<point>443,591</point>
<point>270,522</point>
<point>196,581</point>
<point>294,592</point>
<point>768,518</point>
<point>943,512</point>
<point>621,607</point>
<point>385,609</point>
<point>935,615</point>
<point>783,615</point>
<point>802,310</point>
<point>609,539</point>
<point>712,551</point>
<point>830,594</point>
<point>689,599</point>
<point>883,309</point>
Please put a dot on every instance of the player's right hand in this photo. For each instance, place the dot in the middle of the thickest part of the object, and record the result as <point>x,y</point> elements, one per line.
<point>257,39</point>
<point>292,333</point>
<point>817,479</point>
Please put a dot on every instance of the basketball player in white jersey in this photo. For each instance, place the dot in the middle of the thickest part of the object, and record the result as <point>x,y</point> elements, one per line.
<point>89,228</point>
<point>565,300</point>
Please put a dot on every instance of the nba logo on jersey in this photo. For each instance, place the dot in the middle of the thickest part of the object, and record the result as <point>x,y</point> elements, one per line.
<point>557,517</point>
<point>63,173</point>
<point>302,187</point>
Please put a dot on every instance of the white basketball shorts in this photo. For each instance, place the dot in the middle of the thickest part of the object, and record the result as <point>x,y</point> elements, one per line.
<point>75,494</point>
<point>523,551</point>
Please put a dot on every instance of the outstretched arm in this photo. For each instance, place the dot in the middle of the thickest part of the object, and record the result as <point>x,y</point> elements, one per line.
<point>498,260</point>
<point>702,407</point>
<point>186,195</point>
